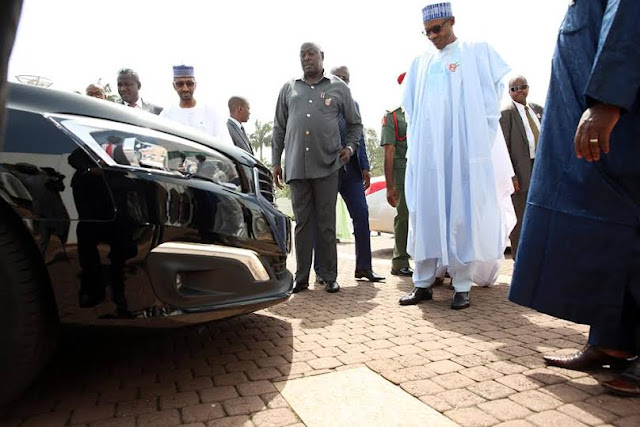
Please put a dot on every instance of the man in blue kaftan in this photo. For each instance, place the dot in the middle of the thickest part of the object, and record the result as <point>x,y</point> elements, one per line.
<point>579,256</point>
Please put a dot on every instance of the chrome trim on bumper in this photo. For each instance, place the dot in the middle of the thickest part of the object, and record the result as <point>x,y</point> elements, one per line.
<point>248,257</point>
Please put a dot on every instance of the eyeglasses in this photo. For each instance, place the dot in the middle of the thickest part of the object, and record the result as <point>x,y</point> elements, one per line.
<point>517,88</point>
<point>436,28</point>
<point>181,83</point>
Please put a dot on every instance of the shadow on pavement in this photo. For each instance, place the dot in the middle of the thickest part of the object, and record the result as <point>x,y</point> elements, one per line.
<point>104,373</point>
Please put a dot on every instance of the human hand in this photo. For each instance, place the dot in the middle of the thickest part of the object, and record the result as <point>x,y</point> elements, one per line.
<point>594,130</point>
<point>366,178</point>
<point>392,196</point>
<point>277,176</point>
<point>516,185</point>
<point>345,155</point>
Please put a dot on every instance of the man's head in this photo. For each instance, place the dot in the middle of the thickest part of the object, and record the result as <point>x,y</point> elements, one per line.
<point>239,109</point>
<point>343,73</point>
<point>184,82</point>
<point>95,90</point>
<point>311,59</point>
<point>438,24</point>
<point>519,89</point>
<point>129,85</point>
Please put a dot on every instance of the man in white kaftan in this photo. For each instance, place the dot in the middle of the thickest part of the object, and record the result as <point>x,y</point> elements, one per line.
<point>458,181</point>
<point>189,112</point>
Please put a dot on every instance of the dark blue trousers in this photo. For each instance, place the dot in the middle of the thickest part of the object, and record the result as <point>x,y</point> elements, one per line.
<point>351,189</point>
<point>624,334</point>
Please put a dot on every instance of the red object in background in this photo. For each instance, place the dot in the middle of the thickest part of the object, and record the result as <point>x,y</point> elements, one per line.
<point>376,186</point>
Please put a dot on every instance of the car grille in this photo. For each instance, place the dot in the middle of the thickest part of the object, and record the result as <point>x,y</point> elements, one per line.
<point>279,265</point>
<point>264,183</point>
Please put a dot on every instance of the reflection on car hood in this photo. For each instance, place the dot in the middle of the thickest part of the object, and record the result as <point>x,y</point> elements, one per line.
<point>43,100</point>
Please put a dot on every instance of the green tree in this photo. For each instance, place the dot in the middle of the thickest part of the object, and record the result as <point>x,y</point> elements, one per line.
<point>261,137</point>
<point>374,152</point>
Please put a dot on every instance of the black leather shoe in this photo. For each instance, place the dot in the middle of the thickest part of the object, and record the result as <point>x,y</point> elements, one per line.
<point>331,287</point>
<point>319,280</point>
<point>369,275</point>
<point>460,301</point>
<point>416,295</point>
<point>404,271</point>
<point>300,287</point>
<point>589,358</point>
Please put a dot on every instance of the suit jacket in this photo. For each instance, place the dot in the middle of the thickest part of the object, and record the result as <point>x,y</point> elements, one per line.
<point>148,107</point>
<point>239,139</point>
<point>517,143</point>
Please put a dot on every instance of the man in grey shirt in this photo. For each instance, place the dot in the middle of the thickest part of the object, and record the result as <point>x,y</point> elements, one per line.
<point>306,129</point>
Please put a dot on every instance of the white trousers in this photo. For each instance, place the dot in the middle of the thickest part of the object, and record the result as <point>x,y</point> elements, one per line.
<point>425,273</point>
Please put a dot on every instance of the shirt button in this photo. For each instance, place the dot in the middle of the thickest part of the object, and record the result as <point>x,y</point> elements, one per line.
<point>308,115</point>
<point>311,101</point>
<point>306,132</point>
<point>307,148</point>
<point>313,87</point>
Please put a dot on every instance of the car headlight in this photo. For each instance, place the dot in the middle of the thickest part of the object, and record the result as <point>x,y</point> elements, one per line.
<point>128,146</point>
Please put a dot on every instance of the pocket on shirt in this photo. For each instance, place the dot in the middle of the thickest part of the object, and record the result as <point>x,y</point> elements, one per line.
<point>328,105</point>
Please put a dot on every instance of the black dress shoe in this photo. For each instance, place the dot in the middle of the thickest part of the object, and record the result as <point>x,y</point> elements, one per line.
<point>404,271</point>
<point>460,301</point>
<point>300,287</point>
<point>416,295</point>
<point>588,359</point>
<point>368,274</point>
<point>319,280</point>
<point>331,287</point>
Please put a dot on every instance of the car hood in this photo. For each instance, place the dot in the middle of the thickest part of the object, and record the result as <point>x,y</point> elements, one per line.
<point>43,100</point>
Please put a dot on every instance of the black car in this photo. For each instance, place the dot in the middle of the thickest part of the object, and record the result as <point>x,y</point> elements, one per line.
<point>113,216</point>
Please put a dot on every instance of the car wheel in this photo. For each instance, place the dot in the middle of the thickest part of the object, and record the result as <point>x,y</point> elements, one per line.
<point>28,316</point>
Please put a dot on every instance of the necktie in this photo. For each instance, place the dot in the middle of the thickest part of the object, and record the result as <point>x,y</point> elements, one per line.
<point>534,127</point>
<point>247,138</point>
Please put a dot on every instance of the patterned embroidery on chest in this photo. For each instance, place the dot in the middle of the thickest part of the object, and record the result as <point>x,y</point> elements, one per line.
<point>454,66</point>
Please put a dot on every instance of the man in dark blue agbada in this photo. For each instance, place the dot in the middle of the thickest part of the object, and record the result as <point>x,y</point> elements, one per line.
<point>579,256</point>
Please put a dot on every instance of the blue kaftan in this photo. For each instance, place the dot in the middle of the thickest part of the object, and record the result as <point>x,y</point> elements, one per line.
<point>583,219</point>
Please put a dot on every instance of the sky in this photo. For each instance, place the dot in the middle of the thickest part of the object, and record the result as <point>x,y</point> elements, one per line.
<point>251,48</point>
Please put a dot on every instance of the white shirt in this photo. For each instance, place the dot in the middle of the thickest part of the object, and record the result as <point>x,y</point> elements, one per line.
<point>527,127</point>
<point>202,117</point>
<point>137,104</point>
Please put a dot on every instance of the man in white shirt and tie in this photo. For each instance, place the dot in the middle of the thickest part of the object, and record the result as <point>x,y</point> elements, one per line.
<point>520,122</point>
<point>129,90</point>
<point>239,112</point>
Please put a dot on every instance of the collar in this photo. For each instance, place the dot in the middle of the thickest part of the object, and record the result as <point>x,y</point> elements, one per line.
<point>520,106</point>
<point>237,123</point>
<point>324,76</point>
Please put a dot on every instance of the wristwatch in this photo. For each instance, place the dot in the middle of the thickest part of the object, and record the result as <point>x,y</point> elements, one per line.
<point>350,149</point>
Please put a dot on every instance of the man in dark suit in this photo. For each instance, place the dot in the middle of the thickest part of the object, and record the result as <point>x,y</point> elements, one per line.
<point>355,178</point>
<point>129,89</point>
<point>239,112</point>
<point>520,122</point>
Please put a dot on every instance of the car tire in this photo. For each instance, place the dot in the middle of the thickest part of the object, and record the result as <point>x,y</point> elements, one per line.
<point>29,323</point>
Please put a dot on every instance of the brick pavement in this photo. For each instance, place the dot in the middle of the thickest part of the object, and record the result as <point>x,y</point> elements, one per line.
<point>479,367</point>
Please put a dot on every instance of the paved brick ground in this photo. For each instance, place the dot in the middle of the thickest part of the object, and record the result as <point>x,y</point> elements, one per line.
<point>479,367</point>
